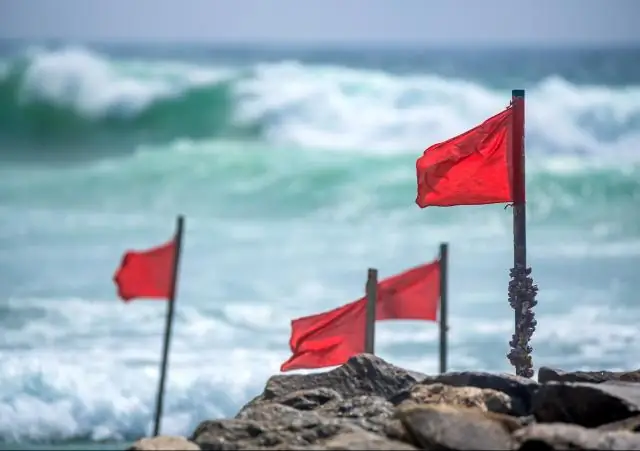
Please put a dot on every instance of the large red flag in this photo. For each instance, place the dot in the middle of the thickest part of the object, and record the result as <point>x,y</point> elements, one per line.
<point>146,274</point>
<point>331,338</point>
<point>473,168</point>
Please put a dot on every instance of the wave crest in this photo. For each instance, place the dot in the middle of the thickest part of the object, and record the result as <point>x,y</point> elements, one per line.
<point>74,97</point>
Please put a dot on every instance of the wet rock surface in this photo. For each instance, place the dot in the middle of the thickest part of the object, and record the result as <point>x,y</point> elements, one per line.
<point>370,404</point>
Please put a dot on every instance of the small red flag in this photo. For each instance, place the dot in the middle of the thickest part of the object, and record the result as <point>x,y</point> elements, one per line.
<point>473,168</point>
<point>146,274</point>
<point>322,334</point>
<point>331,338</point>
<point>413,294</point>
<point>331,351</point>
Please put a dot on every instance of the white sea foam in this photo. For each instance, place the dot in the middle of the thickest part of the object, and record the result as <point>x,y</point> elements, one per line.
<point>332,107</point>
<point>286,227</point>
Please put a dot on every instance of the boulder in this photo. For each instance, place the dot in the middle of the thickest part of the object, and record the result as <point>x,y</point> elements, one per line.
<point>433,426</point>
<point>370,413</point>
<point>164,443</point>
<point>519,389</point>
<point>370,404</point>
<point>362,440</point>
<point>546,374</point>
<point>631,424</point>
<point>586,404</point>
<point>367,412</point>
<point>364,374</point>
<point>484,399</point>
<point>556,436</point>
<point>308,430</point>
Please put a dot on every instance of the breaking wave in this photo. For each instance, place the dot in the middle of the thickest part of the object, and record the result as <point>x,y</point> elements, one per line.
<point>77,99</point>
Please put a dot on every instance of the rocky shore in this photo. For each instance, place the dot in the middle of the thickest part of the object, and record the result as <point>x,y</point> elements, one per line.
<point>369,404</point>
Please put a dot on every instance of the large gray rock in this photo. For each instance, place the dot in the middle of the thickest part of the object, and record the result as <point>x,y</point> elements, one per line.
<point>484,399</point>
<point>368,403</point>
<point>367,412</point>
<point>585,404</point>
<point>556,436</point>
<point>519,389</point>
<point>631,424</point>
<point>363,374</point>
<point>444,427</point>
<point>370,413</point>
<point>164,443</point>
<point>306,430</point>
<point>546,374</point>
<point>362,440</point>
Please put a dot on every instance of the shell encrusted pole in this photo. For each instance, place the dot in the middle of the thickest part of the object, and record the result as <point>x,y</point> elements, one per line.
<point>522,298</point>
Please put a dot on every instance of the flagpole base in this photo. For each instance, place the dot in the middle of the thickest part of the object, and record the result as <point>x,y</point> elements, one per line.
<point>522,298</point>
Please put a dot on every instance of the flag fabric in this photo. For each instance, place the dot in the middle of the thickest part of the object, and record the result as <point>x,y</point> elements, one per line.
<point>331,351</point>
<point>413,294</point>
<point>331,338</point>
<point>473,168</point>
<point>339,321</point>
<point>146,274</point>
<point>328,338</point>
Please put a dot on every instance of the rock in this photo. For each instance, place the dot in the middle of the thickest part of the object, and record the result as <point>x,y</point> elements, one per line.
<point>484,399</point>
<point>266,412</point>
<point>363,374</point>
<point>539,437</point>
<point>248,434</point>
<point>164,443</point>
<point>308,399</point>
<point>444,427</point>
<point>546,374</point>
<point>519,389</point>
<point>370,413</point>
<point>363,440</point>
<point>308,430</point>
<point>585,404</point>
<point>368,403</point>
<point>629,424</point>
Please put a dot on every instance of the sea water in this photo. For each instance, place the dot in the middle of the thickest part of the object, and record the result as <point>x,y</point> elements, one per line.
<point>295,169</point>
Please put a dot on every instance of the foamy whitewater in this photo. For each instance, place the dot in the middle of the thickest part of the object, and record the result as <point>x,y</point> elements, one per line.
<point>296,172</point>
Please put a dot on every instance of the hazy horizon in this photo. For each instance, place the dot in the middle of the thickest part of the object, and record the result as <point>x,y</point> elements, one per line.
<point>457,23</point>
<point>318,45</point>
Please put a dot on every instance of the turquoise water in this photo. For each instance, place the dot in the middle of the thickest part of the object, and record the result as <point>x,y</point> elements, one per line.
<point>295,169</point>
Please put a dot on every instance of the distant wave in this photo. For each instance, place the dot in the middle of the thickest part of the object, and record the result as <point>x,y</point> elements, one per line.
<point>75,98</point>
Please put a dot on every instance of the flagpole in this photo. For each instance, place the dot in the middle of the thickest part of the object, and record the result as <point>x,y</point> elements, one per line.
<point>169,323</point>
<point>522,291</point>
<point>372,297</point>
<point>444,326</point>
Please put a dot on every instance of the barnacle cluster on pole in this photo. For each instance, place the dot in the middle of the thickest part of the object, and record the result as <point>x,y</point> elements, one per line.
<point>522,298</point>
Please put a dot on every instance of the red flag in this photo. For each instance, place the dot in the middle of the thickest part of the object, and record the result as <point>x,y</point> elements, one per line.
<point>473,168</point>
<point>413,294</point>
<point>330,351</point>
<point>328,338</point>
<point>146,274</point>
<point>331,338</point>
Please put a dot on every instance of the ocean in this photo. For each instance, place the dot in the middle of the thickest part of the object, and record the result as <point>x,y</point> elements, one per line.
<point>295,169</point>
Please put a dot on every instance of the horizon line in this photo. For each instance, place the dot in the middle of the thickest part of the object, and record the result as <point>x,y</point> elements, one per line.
<point>329,44</point>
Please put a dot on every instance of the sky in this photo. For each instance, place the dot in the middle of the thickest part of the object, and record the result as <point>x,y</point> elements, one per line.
<point>426,22</point>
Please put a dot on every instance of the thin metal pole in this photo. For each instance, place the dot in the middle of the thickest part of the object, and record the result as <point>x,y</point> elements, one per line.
<point>522,291</point>
<point>519,196</point>
<point>168,324</point>
<point>372,299</point>
<point>444,326</point>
